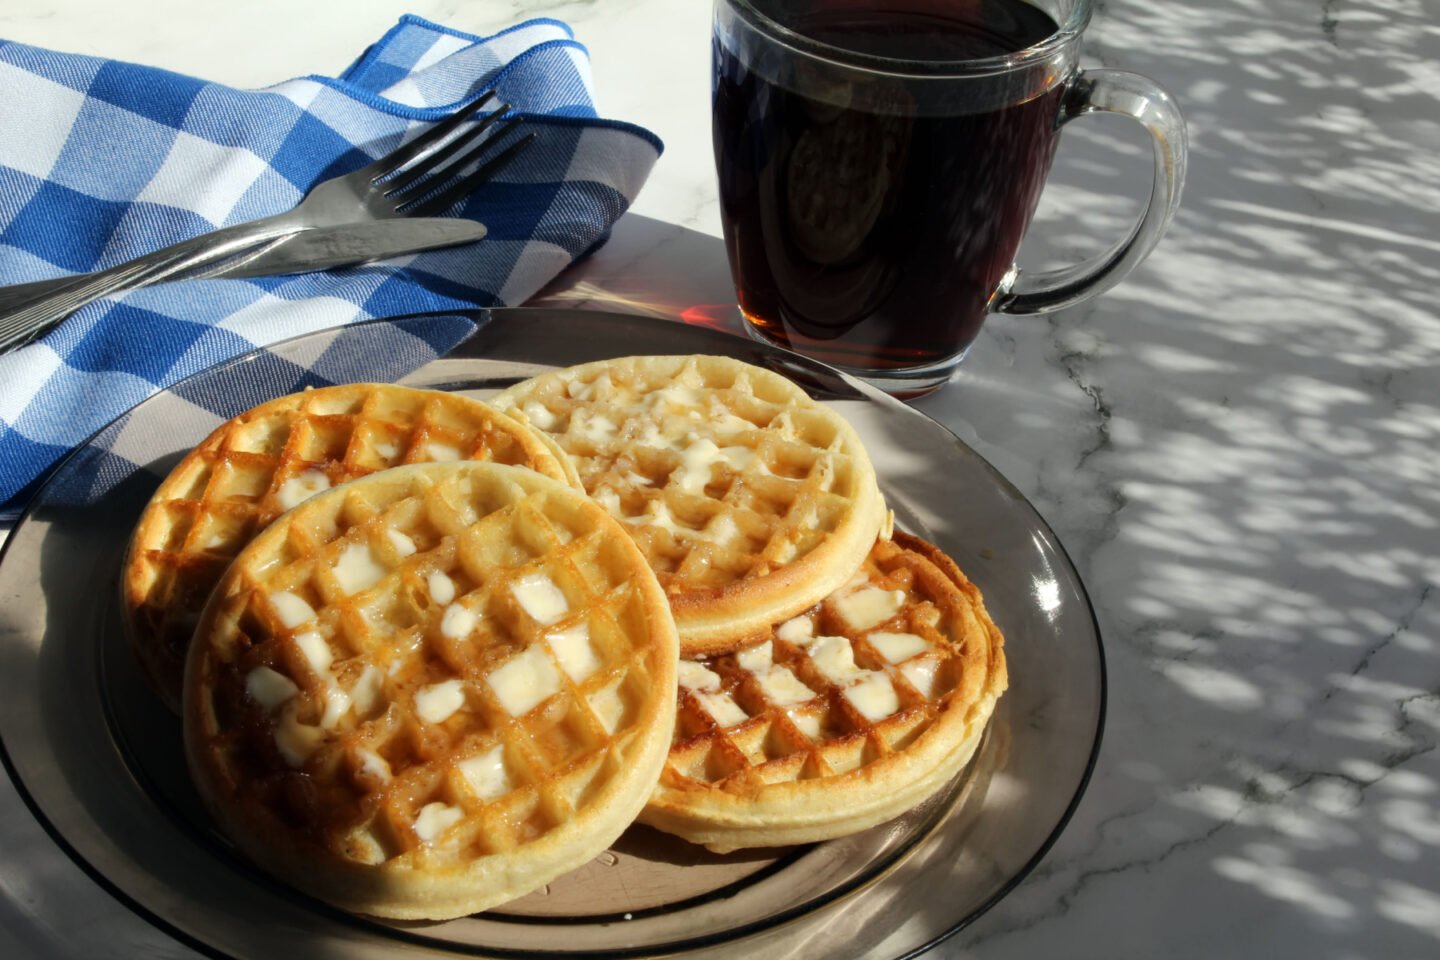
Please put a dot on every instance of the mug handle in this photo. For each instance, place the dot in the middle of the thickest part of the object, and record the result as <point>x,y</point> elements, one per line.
<point>1110,91</point>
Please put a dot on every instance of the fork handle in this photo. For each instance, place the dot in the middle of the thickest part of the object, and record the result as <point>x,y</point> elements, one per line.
<point>22,324</point>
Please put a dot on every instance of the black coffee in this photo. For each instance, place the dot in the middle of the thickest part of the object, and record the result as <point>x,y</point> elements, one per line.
<point>868,223</point>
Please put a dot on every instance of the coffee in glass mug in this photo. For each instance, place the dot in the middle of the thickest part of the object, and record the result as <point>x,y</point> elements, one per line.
<point>879,163</point>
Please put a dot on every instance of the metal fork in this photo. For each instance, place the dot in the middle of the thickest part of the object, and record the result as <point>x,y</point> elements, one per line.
<point>422,178</point>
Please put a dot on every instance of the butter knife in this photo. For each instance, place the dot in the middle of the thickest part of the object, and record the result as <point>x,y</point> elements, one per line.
<point>319,249</point>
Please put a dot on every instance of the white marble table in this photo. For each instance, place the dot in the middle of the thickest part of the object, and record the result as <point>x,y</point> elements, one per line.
<point>1240,447</point>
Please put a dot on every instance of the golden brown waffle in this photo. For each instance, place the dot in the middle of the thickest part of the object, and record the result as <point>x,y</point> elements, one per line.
<point>750,500</point>
<point>843,717</point>
<point>431,690</point>
<point>256,466</point>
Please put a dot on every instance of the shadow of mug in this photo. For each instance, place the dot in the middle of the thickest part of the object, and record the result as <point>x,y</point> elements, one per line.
<point>879,164</point>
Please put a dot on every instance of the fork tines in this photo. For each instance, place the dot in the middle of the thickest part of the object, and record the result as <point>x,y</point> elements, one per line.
<point>432,172</point>
<point>466,184</point>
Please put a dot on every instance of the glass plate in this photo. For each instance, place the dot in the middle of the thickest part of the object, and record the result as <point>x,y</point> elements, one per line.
<point>99,761</point>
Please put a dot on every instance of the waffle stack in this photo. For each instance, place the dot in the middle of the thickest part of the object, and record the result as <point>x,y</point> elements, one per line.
<point>437,652</point>
<point>269,459</point>
<point>832,677</point>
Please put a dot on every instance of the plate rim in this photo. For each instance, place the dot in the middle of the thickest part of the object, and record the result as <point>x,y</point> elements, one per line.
<point>1081,788</point>
<point>481,317</point>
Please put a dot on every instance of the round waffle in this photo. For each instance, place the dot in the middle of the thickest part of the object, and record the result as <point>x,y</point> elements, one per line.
<point>750,500</point>
<point>431,690</point>
<point>261,463</point>
<point>841,718</point>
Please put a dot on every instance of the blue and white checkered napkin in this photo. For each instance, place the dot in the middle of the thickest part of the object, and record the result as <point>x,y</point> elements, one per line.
<point>101,161</point>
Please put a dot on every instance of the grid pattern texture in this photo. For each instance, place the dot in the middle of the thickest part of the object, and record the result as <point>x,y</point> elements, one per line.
<point>725,475</point>
<point>831,722</point>
<point>416,712</point>
<point>264,462</point>
<point>101,161</point>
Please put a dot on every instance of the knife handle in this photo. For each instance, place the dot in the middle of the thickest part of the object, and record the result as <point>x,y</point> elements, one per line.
<point>16,295</point>
<point>21,320</point>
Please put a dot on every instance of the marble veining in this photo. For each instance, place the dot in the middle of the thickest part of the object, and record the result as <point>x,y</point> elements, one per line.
<point>1239,446</point>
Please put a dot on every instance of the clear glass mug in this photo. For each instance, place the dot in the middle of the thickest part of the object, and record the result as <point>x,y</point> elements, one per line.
<point>879,163</point>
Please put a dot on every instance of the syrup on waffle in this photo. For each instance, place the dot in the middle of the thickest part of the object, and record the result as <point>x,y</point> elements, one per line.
<point>431,690</point>
<point>839,719</point>
<point>265,461</point>
<point>750,500</point>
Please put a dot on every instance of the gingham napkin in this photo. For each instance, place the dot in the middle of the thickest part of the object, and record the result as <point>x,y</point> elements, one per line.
<point>101,161</point>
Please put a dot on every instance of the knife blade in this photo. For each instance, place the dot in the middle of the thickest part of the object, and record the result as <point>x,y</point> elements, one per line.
<point>320,249</point>
<point>325,249</point>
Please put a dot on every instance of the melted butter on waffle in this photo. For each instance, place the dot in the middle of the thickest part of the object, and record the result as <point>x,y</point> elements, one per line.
<point>273,458</point>
<point>750,500</point>
<point>839,718</point>
<point>427,731</point>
